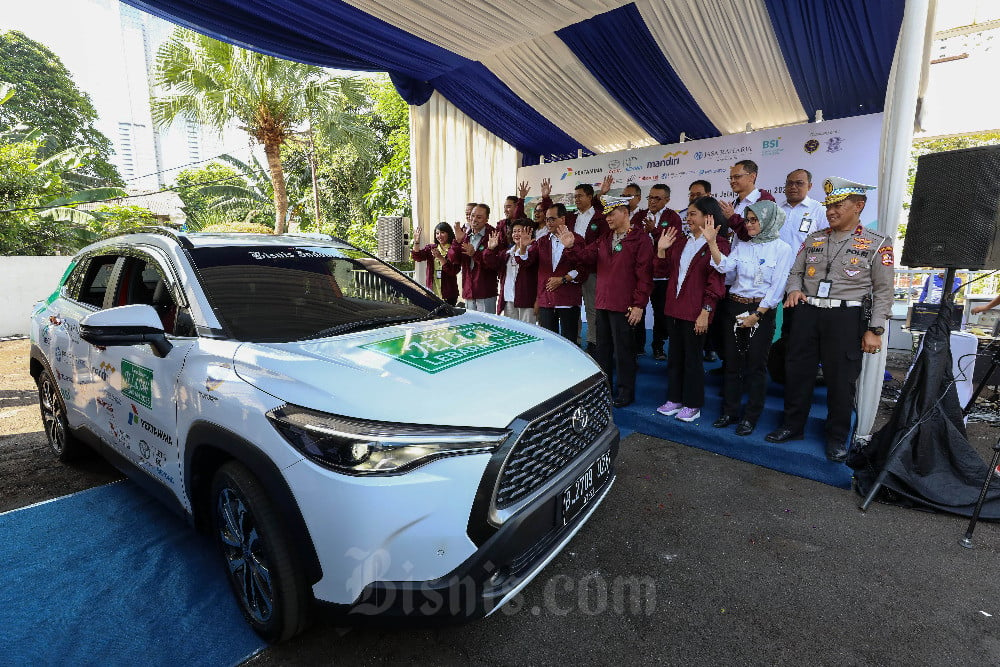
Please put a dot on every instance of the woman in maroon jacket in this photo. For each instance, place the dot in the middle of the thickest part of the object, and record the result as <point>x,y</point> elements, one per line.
<point>517,288</point>
<point>441,274</point>
<point>694,288</point>
<point>622,257</point>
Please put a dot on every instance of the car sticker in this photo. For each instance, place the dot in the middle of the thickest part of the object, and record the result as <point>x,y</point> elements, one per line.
<point>437,350</point>
<point>137,383</point>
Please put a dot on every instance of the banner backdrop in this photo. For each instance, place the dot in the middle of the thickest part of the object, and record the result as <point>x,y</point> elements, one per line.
<point>847,147</point>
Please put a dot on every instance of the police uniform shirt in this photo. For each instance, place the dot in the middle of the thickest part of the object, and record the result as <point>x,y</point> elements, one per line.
<point>801,220</point>
<point>857,263</point>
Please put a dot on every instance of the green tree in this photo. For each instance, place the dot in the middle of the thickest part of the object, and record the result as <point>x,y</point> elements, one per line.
<point>47,98</point>
<point>390,193</point>
<point>197,206</point>
<point>216,84</point>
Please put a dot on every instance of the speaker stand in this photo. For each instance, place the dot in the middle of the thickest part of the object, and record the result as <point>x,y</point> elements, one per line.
<point>947,295</point>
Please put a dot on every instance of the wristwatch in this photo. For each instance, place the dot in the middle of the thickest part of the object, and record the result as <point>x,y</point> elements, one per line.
<point>565,279</point>
<point>878,331</point>
<point>707,308</point>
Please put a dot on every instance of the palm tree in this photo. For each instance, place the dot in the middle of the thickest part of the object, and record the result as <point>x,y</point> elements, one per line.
<point>256,191</point>
<point>216,84</point>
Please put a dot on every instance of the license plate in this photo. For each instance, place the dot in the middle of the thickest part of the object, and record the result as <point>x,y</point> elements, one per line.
<point>578,494</point>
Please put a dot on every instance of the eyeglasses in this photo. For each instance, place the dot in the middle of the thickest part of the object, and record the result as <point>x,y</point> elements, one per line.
<point>734,177</point>
<point>752,221</point>
<point>552,219</point>
<point>654,198</point>
<point>798,183</point>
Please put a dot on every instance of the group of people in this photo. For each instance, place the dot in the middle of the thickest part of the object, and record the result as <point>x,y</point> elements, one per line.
<point>717,270</point>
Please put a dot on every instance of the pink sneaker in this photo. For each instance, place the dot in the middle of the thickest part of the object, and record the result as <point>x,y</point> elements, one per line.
<point>669,408</point>
<point>689,414</point>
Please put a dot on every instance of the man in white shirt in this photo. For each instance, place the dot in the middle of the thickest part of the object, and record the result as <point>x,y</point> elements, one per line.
<point>803,214</point>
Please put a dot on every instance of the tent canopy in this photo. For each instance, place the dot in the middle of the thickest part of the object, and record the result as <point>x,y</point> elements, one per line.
<point>554,77</point>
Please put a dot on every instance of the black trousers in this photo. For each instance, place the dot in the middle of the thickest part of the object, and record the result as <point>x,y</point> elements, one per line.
<point>685,373</point>
<point>616,350</point>
<point>831,336</point>
<point>657,298</point>
<point>564,321</point>
<point>746,360</point>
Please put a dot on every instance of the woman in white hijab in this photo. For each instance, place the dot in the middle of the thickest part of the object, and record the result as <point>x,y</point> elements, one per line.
<point>757,270</point>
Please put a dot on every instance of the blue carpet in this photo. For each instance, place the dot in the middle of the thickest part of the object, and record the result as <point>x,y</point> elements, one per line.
<point>109,576</point>
<point>803,458</point>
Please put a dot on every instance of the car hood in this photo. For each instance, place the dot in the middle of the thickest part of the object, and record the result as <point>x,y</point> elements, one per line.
<point>469,370</point>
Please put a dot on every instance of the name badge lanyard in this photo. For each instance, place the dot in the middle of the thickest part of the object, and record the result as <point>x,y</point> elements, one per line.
<point>823,291</point>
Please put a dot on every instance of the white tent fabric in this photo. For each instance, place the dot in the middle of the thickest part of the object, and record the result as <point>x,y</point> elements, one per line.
<point>553,81</point>
<point>897,137</point>
<point>737,78</point>
<point>460,161</point>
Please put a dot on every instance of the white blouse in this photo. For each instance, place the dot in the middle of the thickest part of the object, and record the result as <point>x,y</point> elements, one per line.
<point>758,270</point>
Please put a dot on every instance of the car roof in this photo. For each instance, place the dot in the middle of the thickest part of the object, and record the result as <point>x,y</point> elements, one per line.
<point>191,240</point>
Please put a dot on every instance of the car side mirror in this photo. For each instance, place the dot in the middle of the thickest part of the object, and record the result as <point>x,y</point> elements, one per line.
<point>126,325</point>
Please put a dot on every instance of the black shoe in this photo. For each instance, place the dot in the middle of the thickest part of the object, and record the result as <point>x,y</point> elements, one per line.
<point>659,355</point>
<point>621,400</point>
<point>716,371</point>
<point>711,356</point>
<point>836,453</point>
<point>783,435</point>
<point>745,427</point>
<point>724,421</point>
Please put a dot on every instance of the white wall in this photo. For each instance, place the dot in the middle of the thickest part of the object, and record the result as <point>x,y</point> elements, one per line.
<point>27,280</point>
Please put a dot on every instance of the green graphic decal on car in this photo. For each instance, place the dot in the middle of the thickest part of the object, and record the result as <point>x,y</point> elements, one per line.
<point>440,349</point>
<point>137,383</point>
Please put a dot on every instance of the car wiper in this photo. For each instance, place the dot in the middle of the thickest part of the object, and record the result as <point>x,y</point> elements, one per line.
<point>361,325</point>
<point>445,309</point>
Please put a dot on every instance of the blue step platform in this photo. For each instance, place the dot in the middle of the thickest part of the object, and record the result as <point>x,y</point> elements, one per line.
<point>803,458</point>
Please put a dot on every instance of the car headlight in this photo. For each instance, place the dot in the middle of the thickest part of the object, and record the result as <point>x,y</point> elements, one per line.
<point>361,447</point>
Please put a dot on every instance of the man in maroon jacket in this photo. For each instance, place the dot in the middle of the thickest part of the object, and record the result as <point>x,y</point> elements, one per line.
<point>588,221</point>
<point>517,287</point>
<point>513,209</point>
<point>657,220</point>
<point>479,282</point>
<point>558,292</point>
<point>623,259</point>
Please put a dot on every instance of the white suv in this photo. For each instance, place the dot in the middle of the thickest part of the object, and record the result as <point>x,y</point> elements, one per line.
<point>346,436</point>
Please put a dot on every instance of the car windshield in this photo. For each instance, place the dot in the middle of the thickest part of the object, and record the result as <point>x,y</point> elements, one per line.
<point>286,293</point>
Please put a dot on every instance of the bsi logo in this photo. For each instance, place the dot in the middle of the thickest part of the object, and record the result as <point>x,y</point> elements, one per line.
<point>770,143</point>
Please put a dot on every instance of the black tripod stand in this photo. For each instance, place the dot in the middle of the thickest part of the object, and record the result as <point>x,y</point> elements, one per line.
<point>946,299</point>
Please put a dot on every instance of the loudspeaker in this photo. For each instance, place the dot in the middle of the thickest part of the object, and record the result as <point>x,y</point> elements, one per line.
<point>955,211</point>
<point>392,236</point>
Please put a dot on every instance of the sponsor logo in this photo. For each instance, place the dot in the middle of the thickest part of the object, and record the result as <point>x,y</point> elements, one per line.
<point>104,371</point>
<point>811,146</point>
<point>59,354</point>
<point>106,405</point>
<point>152,429</point>
<point>615,164</point>
<point>665,162</point>
<point>570,172</point>
<point>834,144</point>
<point>675,154</point>
<point>771,147</point>
<point>437,350</point>
<point>62,377</point>
<point>137,383</point>
<point>208,397</point>
<point>580,419</point>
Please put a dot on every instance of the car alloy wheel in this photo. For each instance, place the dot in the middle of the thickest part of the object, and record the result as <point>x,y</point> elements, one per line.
<point>262,571</point>
<point>53,410</point>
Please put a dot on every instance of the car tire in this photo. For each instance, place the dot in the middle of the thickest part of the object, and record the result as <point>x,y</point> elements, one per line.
<point>63,443</point>
<point>262,570</point>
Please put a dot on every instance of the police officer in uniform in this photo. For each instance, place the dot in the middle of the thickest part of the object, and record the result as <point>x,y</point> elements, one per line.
<point>841,288</point>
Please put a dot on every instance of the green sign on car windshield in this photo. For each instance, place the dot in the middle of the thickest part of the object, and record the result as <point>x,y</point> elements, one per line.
<point>440,349</point>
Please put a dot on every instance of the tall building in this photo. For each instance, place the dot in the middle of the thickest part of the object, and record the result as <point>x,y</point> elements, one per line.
<point>110,49</point>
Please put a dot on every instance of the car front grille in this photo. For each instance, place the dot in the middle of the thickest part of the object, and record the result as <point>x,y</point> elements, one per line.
<point>550,442</point>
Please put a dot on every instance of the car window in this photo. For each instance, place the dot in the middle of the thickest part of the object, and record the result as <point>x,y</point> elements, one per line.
<point>292,293</point>
<point>143,281</point>
<point>96,276</point>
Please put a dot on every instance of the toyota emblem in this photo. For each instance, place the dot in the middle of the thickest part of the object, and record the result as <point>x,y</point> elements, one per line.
<point>580,419</point>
